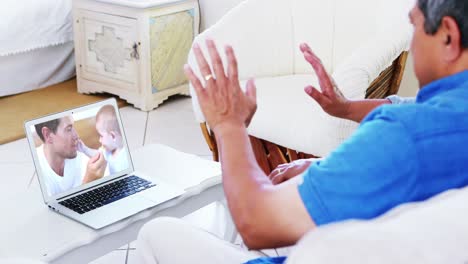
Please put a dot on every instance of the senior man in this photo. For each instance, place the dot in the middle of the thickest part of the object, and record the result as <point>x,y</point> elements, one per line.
<point>400,153</point>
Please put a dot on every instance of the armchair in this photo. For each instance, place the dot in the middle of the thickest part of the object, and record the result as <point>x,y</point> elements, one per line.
<point>361,43</point>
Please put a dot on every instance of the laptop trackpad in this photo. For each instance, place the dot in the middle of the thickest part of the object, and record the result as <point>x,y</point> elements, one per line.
<point>116,211</point>
<point>161,192</point>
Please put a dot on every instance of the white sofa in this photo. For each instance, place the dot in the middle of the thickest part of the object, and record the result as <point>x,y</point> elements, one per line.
<point>356,40</point>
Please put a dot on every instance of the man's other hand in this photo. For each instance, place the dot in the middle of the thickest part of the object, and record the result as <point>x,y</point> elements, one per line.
<point>96,168</point>
<point>222,101</point>
<point>330,97</point>
<point>287,171</point>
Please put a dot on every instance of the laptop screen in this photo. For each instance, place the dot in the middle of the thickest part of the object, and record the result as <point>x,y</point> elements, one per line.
<point>78,147</point>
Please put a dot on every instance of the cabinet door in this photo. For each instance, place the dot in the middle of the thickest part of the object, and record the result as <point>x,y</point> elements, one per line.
<point>171,37</point>
<point>109,49</point>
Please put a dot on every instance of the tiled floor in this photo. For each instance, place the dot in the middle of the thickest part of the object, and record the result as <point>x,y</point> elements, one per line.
<point>173,124</point>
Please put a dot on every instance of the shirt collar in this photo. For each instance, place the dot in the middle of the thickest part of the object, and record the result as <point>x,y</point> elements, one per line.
<point>442,85</point>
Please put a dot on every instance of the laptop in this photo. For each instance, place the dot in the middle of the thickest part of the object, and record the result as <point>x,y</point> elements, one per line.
<point>85,169</point>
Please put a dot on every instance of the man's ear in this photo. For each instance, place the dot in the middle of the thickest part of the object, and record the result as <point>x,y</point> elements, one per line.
<point>46,133</point>
<point>450,32</point>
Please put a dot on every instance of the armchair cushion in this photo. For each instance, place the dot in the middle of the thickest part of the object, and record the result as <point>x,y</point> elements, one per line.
<point>356,22</point>
<point>260,38</point>
<point>356,72</point>
<point>313,23</point>
<point>280,121</point>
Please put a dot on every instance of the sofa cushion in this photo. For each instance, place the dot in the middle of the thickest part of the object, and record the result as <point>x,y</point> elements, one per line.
<point>434,231</point>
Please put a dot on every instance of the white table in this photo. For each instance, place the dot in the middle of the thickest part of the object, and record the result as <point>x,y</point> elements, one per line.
<point>29,229</point>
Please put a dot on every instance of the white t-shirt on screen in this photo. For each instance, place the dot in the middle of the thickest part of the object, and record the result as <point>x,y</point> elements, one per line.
<point>73,173</point>
<point>117,163</point>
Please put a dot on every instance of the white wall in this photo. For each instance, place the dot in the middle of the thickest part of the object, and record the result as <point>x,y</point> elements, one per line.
<point>409,86</point>
<point>212,10</point>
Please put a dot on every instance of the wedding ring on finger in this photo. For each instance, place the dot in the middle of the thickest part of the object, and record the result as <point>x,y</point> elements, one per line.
<point>208,77</point>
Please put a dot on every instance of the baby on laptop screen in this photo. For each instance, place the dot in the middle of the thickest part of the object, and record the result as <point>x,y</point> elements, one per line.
<point>110,137</point>
<point>66,162</point>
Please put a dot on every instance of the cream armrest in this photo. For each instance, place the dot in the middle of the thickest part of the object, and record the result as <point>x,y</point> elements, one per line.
<point>355,73</point>
<point>261,41</point>
<point>393,35</point>
<point>287,116</point>
<point>433,231</point>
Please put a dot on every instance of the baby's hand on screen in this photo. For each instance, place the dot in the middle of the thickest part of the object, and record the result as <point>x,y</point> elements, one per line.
<point>81,147</point>
<point>85,149</point>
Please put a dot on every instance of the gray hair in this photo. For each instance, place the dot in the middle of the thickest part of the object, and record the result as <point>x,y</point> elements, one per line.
<point>435,10</point>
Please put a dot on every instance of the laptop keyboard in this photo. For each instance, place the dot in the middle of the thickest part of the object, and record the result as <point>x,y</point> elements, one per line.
<point>106,194</point>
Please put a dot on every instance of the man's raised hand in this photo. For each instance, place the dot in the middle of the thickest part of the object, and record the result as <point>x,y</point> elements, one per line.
<point>221,100</point>
<point>329,97</point>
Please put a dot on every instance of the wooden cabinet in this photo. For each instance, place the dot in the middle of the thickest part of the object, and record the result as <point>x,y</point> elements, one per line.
<point>134,49</point>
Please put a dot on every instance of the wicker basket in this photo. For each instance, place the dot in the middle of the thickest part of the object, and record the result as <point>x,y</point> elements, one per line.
<point>269,155</point>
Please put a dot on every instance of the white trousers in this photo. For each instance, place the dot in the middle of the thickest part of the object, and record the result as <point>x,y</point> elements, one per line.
<point>173,241</point>
<point>434,231</point>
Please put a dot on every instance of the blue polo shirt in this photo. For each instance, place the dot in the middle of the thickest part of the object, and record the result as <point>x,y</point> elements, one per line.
<point>400,153</point>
